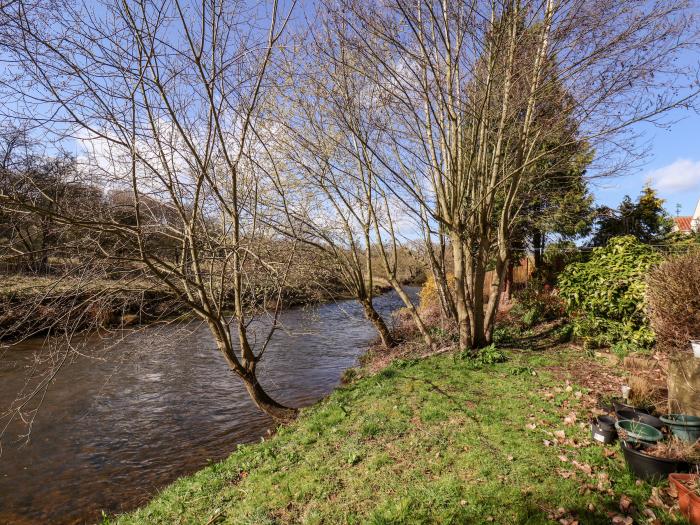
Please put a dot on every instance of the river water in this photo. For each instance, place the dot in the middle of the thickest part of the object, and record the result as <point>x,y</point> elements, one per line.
<point>118,425</point>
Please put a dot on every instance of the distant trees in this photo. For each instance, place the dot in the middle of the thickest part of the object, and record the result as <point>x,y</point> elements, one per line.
<point>29,240</point>
<point>646,220</point>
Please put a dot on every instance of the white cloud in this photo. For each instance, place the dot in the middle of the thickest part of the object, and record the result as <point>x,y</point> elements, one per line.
<point>681,175</point>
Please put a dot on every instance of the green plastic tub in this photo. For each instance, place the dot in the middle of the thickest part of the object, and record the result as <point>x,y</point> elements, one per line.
<point>683,427</point>
<point>637,432</point>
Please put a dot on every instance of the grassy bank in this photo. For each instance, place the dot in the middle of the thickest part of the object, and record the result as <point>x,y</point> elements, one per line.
<point>435,440</point>
<point>35,305</point>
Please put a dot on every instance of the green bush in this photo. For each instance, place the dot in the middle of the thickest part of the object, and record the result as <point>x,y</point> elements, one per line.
<point>605,295</point>
<point>489,355</point>
<point>536,303</point>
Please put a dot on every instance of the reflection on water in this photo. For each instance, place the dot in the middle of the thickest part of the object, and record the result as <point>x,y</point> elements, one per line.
<point>112,431</point>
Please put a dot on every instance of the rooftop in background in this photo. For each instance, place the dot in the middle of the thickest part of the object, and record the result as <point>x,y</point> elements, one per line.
<point>683,224</point>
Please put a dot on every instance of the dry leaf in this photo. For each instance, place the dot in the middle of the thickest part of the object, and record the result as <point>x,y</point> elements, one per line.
<point>531,426</point>
<point>649,513</point>
<point>563,458</point>
<point>625,504</point>
<point>622,520</point>
<point>559,434</point>
<point>570,419</point>
<point>584,467</point>
<point>672,491</point>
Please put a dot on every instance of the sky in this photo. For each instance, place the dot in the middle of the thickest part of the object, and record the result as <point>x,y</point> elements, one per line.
<point>672,167</point>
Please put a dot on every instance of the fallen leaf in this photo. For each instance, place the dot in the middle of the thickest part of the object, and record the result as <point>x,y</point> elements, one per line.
<point>584,467</point>
<point>625,504</point>
<point>559,434</point>
<point>661,499</point>
<point>672,491</point>
<point>649,513</point>
<point>546,442</point>
<point>563,458</point>
<point>570,419</point>
<point>531,426</point>
<point>622,520</point>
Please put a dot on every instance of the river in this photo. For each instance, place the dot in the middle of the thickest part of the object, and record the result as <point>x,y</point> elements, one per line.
<point>117,426</point>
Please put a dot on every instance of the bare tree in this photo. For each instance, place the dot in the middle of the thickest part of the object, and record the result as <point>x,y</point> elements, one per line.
<point>328,110</point>
<point>169,100</point>
<point>468,90</point>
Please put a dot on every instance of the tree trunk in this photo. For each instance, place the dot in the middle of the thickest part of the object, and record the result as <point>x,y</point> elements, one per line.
<point>460,294</point>
<point>378,322</point>
<point>476,280</point>
<point>427,338</point>
<point>264,402</point>
<point>503,266</point>
<point>538,248</point>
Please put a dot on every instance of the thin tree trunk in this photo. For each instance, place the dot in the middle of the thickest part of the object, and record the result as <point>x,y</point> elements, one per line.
<point>378,323</point>
<point>264,402</point>
<point>538,247</point>
<point>461,303</point>
<point>427,338</point>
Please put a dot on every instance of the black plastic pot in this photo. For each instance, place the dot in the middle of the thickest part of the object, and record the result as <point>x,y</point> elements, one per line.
<point>636,415</point>
<point>603,429</point>
<point>619,404</point>
<point>649,467</point>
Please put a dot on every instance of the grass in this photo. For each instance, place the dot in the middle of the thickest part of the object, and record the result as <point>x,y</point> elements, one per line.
<point>439,440</point>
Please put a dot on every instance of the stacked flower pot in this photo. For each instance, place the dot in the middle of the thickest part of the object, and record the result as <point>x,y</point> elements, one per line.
<point>640,434</point>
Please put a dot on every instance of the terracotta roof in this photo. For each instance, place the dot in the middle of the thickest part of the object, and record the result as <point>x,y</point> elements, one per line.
<point>683,224</point>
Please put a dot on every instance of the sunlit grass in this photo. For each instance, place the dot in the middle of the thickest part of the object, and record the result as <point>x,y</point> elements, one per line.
<point>431,441</point>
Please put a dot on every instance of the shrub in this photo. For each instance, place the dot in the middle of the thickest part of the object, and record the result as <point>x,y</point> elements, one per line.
<point>537,303</point>
<point>489,355</point>
<point>605,295</point>
<point>673,302</point>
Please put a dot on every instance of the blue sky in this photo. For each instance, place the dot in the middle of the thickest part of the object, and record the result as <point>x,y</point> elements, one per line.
<point>672,166</point>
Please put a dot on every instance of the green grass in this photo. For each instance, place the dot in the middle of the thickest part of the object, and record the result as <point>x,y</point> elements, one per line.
<point>433,441</point>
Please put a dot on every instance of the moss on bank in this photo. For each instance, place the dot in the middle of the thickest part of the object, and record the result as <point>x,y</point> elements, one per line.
<point>438,440</point>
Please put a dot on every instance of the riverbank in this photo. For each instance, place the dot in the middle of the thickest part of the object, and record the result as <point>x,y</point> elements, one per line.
<point>438,439</point>
<point>33,305</point>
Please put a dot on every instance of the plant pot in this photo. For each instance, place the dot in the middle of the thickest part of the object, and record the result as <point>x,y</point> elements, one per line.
<point>693,508</point>
<point>681,481</point>
<point>603,429</point>
<point>683,427</point>
<point>638,432</point>
<point>619,404</point>
<point>695,345</point>
<point>635,415</point>
<point>648,467</point>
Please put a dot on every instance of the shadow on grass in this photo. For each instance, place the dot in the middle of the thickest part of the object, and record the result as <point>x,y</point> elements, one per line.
<point>544,338</point>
